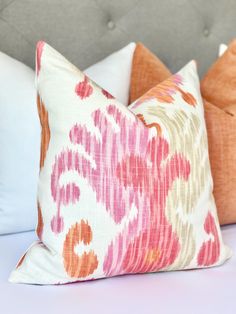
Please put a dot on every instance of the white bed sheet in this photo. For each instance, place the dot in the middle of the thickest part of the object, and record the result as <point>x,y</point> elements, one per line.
<point>199,291</point>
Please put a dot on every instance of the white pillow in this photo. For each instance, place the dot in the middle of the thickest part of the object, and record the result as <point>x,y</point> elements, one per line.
<point>19,142</point>
<point>113,73</point>
<point>222,49</point>
<point>20,132</point>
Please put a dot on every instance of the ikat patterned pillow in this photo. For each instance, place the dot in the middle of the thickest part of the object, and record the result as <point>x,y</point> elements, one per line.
<point>121,190</point>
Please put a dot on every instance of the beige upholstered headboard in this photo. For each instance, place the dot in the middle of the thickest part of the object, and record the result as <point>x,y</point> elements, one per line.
<point>88,30</point>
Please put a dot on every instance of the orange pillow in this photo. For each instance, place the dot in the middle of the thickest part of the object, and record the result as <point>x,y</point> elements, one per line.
<point>147,71</point>
<point>219,84</point>
<point>218,87</point>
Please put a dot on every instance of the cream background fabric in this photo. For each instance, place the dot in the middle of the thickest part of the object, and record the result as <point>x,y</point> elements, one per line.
<point>190,208</point>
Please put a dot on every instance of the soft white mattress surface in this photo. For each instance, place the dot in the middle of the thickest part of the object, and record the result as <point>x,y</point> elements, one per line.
<point>198,291</point>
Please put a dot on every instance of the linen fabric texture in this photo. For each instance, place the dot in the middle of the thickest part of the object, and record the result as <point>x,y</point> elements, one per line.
<point>121,190</point>
<point>218,90</point>
<point>20,132</point>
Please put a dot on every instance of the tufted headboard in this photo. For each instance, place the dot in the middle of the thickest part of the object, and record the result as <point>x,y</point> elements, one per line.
<point>85,31</point>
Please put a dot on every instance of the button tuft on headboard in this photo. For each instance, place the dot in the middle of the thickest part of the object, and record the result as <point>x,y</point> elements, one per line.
<point>111,25</point>
<point>206,32</point>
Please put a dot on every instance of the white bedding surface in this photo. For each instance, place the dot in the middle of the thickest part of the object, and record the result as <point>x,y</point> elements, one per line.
<point>198,291</point>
